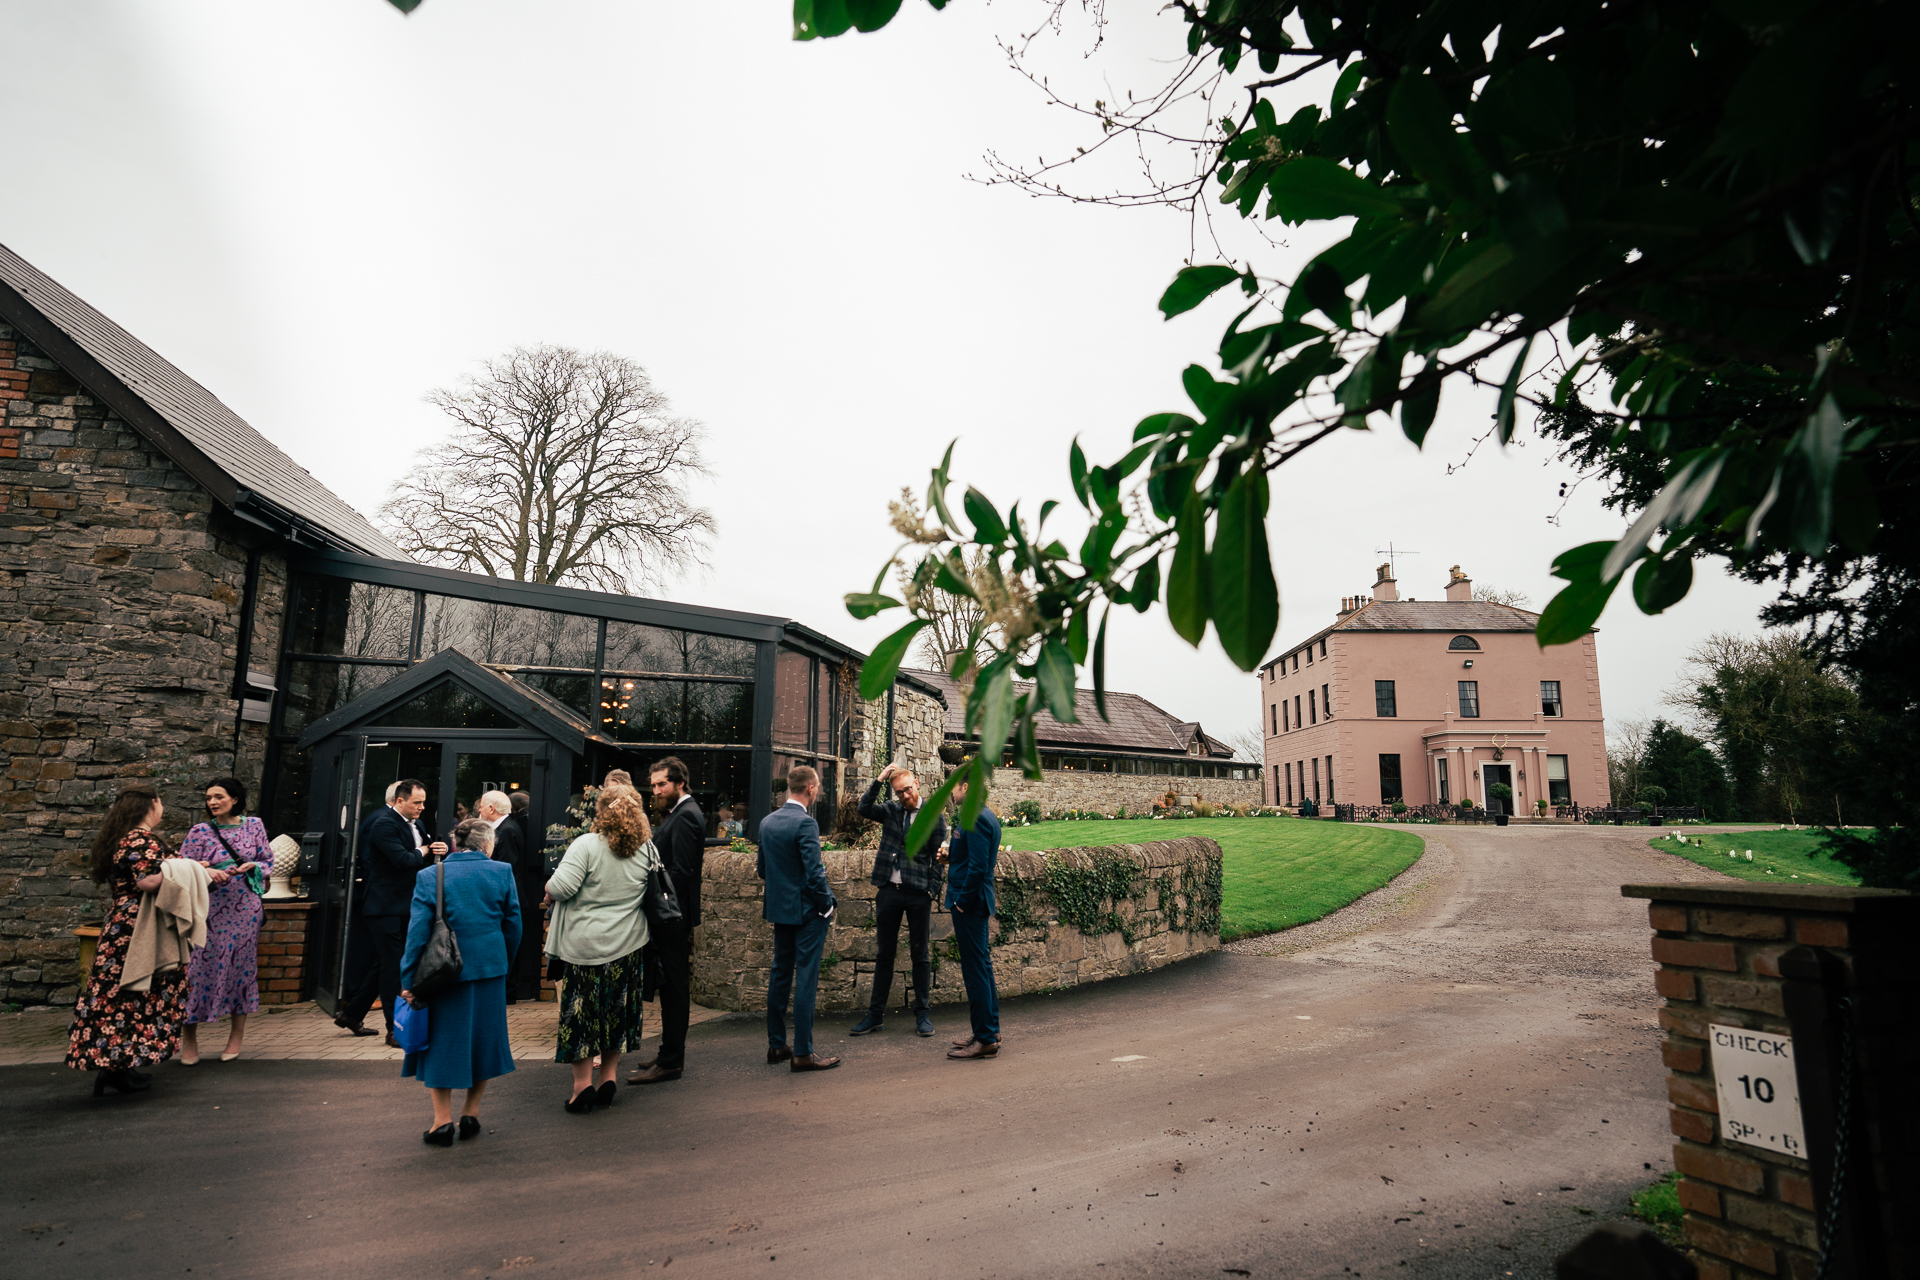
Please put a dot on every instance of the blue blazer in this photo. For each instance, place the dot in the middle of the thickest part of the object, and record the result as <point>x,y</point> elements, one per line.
<point>790,863</point>
<point>971,861</point>
<point>391,860</point>
<point>483,910</point>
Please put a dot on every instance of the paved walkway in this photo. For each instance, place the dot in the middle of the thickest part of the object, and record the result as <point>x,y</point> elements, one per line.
<point>1457,1090</point>
<point>299,1031</point>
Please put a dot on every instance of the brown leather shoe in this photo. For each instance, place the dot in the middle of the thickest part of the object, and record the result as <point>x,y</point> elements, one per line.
<point>813,1062</point>
<point>976,1050</point>
<point>391,1042</point>
<point>778,1053</point>
<point>645,1066</point>
<point>654,1073</point>
<point>961,1044</point>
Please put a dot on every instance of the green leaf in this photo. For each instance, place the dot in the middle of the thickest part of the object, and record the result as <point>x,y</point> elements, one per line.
<point>993,697</point>
<point>1503,415</point>
<point>1819,445</point>
<point>1100,666</point>
<point>988,527</point>
<point>1077,468</point>
<point>1420,123</point>
<point>937,488</point>
<point>1419,405</point>
<point>1205,393</point>
<point>1662,582</point>
<point>866,604</point>
<point>1674,507</point>
<point>1193,286</point>
<point>950,575</point>
<point>883,664</point>
<point>1156,425</point>
<point>931,811</point>
<point>1055,680</point>
<point>1309,188</point>
<point>1146,586</point>
<point>816,18</point>
<point>1077,635</point>
<point>1246,602</point>
<point>1187,581</point>
<point>871,15</point>
<point>1323,287</point>
<point>979,771</point>
<point>1348,84</point>
<point>1572,613</point>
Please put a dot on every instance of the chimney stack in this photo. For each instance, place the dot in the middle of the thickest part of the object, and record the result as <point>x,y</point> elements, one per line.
<point>1383,584</point>
<point>1459,585</point>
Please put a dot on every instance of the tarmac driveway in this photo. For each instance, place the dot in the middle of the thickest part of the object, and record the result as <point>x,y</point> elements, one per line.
<point>1451,1091</point>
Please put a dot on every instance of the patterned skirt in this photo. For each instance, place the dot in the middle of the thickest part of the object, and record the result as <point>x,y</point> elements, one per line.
<point>600,1008</point>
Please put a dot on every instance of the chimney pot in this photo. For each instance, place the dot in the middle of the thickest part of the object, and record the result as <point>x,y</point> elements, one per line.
<point>1459,585</point>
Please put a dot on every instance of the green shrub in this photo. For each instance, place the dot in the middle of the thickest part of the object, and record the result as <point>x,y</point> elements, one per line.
<point>1027,811</point>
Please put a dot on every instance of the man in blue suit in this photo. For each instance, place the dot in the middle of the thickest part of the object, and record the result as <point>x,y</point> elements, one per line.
<point>799,904</point>
<point>972,859</point>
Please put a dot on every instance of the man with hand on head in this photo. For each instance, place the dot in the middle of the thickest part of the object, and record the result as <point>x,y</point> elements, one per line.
<point>680,836</point>
<point>906,888</point>
<point>799,903</point>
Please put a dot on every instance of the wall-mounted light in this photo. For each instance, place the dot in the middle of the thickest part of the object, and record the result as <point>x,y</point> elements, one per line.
<point>1468,664</point>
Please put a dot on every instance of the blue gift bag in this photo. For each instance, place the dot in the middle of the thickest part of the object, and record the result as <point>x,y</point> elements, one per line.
<point>410,1026</point>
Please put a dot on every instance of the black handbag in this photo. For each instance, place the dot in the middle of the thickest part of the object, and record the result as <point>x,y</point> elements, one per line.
<point>439,963</point>
<point>661,903</point>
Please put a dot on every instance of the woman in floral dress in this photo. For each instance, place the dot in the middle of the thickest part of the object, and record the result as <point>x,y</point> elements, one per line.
<point>115,1032</point>
<point>223,979</point>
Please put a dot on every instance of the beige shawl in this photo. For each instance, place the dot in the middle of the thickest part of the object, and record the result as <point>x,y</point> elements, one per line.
<point>173,921</point>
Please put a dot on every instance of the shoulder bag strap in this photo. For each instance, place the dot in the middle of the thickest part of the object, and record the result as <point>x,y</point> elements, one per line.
<point>440,891</point>
<point>215,828</point>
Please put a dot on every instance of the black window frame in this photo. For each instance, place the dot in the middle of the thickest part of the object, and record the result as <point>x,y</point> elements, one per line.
<point>1392,785</point>
<point>1469,691</point>
<point>1552,708</point>
<point>1456,645</point>
<point>1385,697</point>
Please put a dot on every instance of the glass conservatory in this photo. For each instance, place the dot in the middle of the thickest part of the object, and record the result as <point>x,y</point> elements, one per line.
<point>390,670</point>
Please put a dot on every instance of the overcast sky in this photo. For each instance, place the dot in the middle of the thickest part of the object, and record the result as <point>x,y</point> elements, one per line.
<point>322,209</point>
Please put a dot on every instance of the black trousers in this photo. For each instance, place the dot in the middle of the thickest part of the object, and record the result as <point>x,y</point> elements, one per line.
<point>360,986</point>
<point>389,945</point>
<point>527,965</point>
<point>889,905</point>
<point>673,953</point>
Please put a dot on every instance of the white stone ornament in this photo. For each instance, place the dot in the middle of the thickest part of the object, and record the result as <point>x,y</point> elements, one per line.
<point>286,856</point>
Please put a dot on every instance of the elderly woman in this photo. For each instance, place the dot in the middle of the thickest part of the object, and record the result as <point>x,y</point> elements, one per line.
<point>117,1032</point>
<point>223,979</point>
<point>467,1018</point>
<point>597,931</point>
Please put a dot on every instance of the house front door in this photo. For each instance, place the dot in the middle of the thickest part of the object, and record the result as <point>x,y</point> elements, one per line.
<point>1490,775</point>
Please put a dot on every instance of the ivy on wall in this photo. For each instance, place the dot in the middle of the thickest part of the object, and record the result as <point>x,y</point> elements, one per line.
<point>1089,897</point>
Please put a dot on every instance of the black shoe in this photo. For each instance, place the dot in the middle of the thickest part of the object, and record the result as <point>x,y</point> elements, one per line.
<point>441,1137</point>
<point>866,1025</point>
<point>778,1053</point>
<point>469,1126</point>
<point>119,1082</point>
<point>139,1077</point>
<point>582,1102</point>
<point>922,1023</point>
<point>354,1027</point>
<point>603,1096</point>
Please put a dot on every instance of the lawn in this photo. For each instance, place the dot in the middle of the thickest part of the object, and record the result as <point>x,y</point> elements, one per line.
<point>1277,872</point>
<point>1791,856</point>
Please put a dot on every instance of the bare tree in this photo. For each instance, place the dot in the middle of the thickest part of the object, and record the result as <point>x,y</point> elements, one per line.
<point>1501,595</point>
<point>1626,752</point>
<point>958,622</point>
<point>562,467</point>
<point>1247,744</point>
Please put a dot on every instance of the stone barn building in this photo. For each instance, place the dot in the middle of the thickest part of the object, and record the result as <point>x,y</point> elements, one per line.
<point>181,600</point>
<point>1131,760</point>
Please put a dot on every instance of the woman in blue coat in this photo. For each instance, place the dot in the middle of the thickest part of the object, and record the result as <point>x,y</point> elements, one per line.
<point>466,1020</point>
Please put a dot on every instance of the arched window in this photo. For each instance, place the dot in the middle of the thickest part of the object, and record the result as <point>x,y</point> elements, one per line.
<point>1463,642</point>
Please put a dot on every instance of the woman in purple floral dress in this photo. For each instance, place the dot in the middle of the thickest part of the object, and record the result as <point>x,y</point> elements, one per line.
<point>117,1032</point>
<point>224,977</point>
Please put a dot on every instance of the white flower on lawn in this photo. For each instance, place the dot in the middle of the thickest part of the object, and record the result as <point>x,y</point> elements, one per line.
<point>1749,855</point>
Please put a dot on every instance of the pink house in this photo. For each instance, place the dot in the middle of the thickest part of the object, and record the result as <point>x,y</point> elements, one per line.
<point>1431,702</point>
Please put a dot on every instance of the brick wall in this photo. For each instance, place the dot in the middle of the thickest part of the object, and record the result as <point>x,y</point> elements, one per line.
<point>120,592</point>
<point>1750,1211</point>
<point>283,952</point>
<point>733,947</point>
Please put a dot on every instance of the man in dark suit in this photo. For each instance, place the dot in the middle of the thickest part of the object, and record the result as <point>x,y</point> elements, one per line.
<point>799,903</point>
<point>509,847</point>
<point>973,857</point>
<point>396,849</point>
<point>360,983</point>
<point>530,875</point>
<point>681,839</point>
<point>905,888</point>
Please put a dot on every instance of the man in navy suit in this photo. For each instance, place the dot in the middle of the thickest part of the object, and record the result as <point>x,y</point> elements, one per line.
<point>394,851</point>
<point>799,904</point>
<point>972,859</point>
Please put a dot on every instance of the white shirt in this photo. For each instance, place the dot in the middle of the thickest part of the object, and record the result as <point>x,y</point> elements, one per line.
<point>413,825</point>
<point>910,816</point>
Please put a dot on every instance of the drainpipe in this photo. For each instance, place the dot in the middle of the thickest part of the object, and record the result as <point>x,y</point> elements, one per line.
<point>243,649</point>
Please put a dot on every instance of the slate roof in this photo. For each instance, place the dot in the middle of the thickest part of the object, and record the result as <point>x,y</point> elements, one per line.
<point>243,470</point>
<point>1424,615</point>
<point>1135,724</point>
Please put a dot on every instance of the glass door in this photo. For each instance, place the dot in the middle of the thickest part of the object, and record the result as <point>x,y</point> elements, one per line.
<point>480,767</point>
<point>339,784</point>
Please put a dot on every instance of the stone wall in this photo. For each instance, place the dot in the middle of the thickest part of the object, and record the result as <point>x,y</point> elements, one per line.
<point>120,593</point>
<point>1055,928</point>
<point>1107,792</point>
<point>918,728</point>
<point>1778,960</point>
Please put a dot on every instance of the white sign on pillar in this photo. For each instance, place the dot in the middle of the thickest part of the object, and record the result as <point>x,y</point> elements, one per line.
<point>1759,1089</point>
